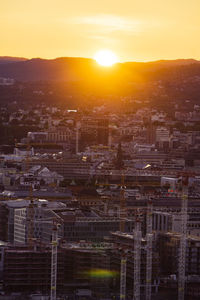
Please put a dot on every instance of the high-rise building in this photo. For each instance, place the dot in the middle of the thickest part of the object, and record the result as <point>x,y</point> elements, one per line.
<point>151,132</point>
<point>94,131</point>
<point>162,138</point>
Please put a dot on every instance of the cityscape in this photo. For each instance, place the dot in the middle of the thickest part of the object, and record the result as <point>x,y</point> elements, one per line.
<point>99,157</point>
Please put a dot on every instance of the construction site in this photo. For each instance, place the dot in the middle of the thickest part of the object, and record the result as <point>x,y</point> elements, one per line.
<point>112,248</point>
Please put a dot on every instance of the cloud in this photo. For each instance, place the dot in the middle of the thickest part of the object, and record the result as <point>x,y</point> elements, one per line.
<point>109,23</point>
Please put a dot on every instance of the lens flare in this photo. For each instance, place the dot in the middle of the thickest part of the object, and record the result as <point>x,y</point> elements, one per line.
<point>101,273</point>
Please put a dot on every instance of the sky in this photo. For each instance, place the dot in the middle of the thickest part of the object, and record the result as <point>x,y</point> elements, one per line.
<point>142,30</point>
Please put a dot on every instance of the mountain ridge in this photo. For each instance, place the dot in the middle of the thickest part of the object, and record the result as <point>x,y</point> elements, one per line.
<point>78,68</point>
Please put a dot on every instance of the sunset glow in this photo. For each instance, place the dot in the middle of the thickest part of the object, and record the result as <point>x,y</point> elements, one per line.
<point>105,58</point>
<point>137,31</point>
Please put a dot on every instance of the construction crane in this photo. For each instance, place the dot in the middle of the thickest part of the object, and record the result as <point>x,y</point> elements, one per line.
<point>149,240</point>
<point>137,258</point>
<point>137,248</point>
<point>122,205</point>
<point>183,189</point>
<point>122,215</point>
<point>30,218</point>
<point>54,254</point>
<point>123,277</point>
<point>78,126</point>
<point>122,228</point>
<point>30,208</point>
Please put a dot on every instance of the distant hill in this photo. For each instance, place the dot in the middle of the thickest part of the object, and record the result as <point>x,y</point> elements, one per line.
<point>84,69</point>
<point>10,59</point>
<point>64,69</point>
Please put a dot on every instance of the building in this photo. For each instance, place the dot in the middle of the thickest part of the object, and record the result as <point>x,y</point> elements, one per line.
<point>23,152</point>
<point>168,244</point>
<point>6,81</point>
<point>123,244</point>
<point>37,137</point>
<point>70,169</point>
<point>59,136</point>
<point>162,137</point>
<point>85,224</point>
<point>39,175</point>
<point>14,219</point>
<point>151,132</point>
<point>90,268</point>
<point>94,131</point>
<point>3,222</point>
<point>171,222</point>
<point>29,270</point>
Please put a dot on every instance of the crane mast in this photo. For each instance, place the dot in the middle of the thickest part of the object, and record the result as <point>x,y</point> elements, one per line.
<point>137,260</point>
<point>183,238</point>
<point>123,279</point>
<point>54,246</point>
<point>30,215</point>
<point>149,239</point>
<point>30,208</point>
<point>77,136</point>
<point>122,205</point>
<point>54,251</point>
<point>122,228</point>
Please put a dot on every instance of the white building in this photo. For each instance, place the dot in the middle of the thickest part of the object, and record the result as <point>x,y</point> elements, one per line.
<point>162,134</point>
<point>38,173</point>
<point>23,152</point>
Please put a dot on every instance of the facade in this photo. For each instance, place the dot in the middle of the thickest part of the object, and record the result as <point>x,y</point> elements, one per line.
<point>20,226</point>
<point>90,268</point>
<point>59,136</point>
<point>162,138</point>
<point>123,245</point>
<point>15,221</point>
<point>23,152</point>
<point>29,270</point>
<point>37,137</point>
<point>70,168</point>
<point>168,245</point>
<point>50,136</point>
<point>85,224</point>
<point>162,134</point>
<point>4,212</point>
<point>94,131</point>
<point>171,222</point>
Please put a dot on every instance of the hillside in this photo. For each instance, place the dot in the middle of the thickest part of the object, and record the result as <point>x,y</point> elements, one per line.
<point>83,69</point>
<point>9,59</point>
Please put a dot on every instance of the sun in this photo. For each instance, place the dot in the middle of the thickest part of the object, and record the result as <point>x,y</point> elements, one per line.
<point>105,58</point>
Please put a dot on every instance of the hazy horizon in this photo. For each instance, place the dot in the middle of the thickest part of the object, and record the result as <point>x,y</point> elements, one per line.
<point>82,57</point>
<point>134,31</point>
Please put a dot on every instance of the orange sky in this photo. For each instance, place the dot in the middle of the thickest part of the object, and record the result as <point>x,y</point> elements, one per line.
<point>135,30</point>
